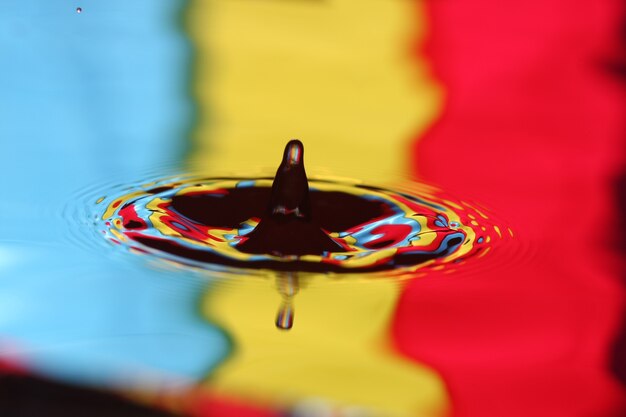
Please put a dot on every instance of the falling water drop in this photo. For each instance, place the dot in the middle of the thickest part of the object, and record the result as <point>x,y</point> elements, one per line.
<point>284,318</point>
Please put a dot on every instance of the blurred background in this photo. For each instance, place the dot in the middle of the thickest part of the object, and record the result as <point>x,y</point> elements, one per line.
<point>518,107</point>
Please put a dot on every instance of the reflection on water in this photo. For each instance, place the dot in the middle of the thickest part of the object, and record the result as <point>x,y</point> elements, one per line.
<point>208,222</point>
<point>497,325</point>
<point>288,286</point>
<point>338,350</point>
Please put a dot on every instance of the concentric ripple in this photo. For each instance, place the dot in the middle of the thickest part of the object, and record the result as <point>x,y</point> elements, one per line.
<point>205,222</point>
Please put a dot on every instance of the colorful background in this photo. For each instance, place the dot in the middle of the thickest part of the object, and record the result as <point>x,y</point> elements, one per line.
<point>518,107</point>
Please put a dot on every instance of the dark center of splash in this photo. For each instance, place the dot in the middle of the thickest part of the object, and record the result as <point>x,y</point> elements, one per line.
<point>292,224</point>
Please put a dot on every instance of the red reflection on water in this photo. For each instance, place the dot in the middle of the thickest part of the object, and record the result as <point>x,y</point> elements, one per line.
<point>528,330</point>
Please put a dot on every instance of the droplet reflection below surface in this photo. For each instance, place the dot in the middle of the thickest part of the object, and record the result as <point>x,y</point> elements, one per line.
<point>284,318</point>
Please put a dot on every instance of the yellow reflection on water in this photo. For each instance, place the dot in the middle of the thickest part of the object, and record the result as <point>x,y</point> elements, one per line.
<point>337,349</point>
<point>341,76</point>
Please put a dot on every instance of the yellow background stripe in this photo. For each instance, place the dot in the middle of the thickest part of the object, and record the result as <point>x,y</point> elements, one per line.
<point>339,75</point>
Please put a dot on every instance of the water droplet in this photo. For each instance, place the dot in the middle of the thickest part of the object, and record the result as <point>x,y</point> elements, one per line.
<point>79,10</point>
<point>330,227</point>
<point>284,318</point>
<point>289,214</point>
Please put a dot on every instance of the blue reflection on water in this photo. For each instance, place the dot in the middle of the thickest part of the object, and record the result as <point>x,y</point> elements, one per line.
<point>86,98</point>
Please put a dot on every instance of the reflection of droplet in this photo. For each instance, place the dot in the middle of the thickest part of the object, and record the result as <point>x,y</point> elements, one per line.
<point>287,285</point>
<point>79,10</point>
<point>284,319</point>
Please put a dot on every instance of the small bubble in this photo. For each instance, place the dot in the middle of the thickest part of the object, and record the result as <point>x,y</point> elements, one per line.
<point>79,10</point>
